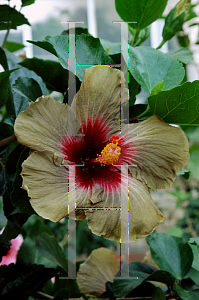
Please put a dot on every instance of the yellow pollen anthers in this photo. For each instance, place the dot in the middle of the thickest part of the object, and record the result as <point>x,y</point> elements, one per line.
<point>110,154</point>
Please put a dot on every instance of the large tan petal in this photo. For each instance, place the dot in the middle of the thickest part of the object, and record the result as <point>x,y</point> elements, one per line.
<point>43,124</point>
<point>144,216</point>
<point>46,181</point>
<point>101,266</point>
<point>160,152</point>
<point>99,95</point>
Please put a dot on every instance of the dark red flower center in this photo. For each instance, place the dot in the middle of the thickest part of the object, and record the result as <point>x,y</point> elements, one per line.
<point>97,156</point>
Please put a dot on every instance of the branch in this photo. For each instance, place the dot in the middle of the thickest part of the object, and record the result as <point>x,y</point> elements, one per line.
<point>42,296</point>
<point>167,297</point>
<point>6,36</point>
<point>190,224</point>
<point>8,30</point>
<point>8,140</point>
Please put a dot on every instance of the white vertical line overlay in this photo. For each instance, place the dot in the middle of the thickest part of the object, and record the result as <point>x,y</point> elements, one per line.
<point>72,131</point>
<point>124,67</point>
<point>71,224</point>
<point>124,221</point>
<point>124,241</point>
<point>71,75</point>
<point>124,244</point>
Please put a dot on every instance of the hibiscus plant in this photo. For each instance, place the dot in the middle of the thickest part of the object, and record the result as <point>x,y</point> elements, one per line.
<point>95,157</point>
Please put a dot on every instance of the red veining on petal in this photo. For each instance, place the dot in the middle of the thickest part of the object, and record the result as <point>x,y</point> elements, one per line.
<point>127,152</point>
<point>85,149</point>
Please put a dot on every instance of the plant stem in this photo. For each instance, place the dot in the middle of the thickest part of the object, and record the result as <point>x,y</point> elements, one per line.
<point>161,44</point>
<point>8,30</point>
<point>6,36</point>
<point>8,140</point>
<point>144,113</point>
<point>42,296</point>
<point>167,297</point>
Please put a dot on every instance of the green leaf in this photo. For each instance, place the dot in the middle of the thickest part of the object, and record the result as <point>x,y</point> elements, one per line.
<point>89,51</point>
<point>76,30</point>
<point>71,290</point>
<point>193,164</point>
<point>149,66</point>
<point>134,89</point>
<point>192,133</point>
<point>19,281</point>
<point>11,18</point>
<point>186,295</point>
<point>111,48</point>
<point>195,263</point>
<point>44,45</point>
<point>185,173</point>
<point>48,246</point>
<point>27,252</point>
<point>144,12</point>
<point>158,87</point>
<point>13,46</point>
<point>172,24</point>
<point>11,231</point>
<point>179,105</point>
<point>19,197</point>
<point>27,88</point>
<point>27,2</point>
<point>158,294</point>
<point>194,240</point>
<point>3,59</point>
<point>38,228</point>
<point>17,103</point>
<point>182,54</point>
<point>4,84</point>
<point>136,110</point>
<point>193,274</point>
<point>175,231</point>
<point>161,276</point>
<point>56,80</point>
<point>140,271</point>
<point>170,254</point>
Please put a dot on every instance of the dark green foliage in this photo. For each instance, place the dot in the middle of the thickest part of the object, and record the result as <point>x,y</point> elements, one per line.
<point>19,196</point>
<point>172,24</point>
<point>52,73</point>
<point>4,248</point>
<point>138,272</point>
<point>142,12</point>
<point>11,18</point>
<point>170,254</point>
<point>13,46</point>
<point>21,281</point>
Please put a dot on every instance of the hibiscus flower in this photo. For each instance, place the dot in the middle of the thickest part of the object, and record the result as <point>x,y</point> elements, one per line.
<point>94,144</point>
